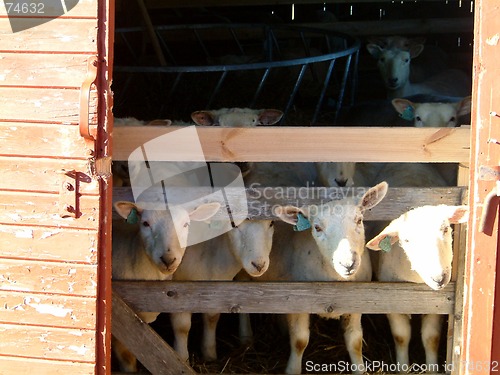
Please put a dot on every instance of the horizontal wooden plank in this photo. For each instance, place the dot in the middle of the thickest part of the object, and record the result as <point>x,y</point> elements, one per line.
<point>262,201</point>
<point>35,243</point>
<point>47,310</point>
<point>48,343</point>
<point>40,140</point>
<point>44,175</point>
<point>84,8</point>
<point>44,210</point>
<point>368,144</point>
<point>33,104</point>
<point>286,297</point>
<point>159,358</point>
<point>22,365</point>
<point>46,70</point>
<point>59,35</point>
<point>44,277</point>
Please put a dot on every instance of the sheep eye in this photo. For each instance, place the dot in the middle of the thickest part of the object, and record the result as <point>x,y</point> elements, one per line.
<point>418,118</point>
<point>145,224</point>
<point>407,61</point>
<point>186,225</point>
<point>452,119</point>
<point>359,221</point>
<point>318,228</point>
<point>271,224</point>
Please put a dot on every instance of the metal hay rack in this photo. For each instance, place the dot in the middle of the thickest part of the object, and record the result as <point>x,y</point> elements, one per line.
<point>306,72</point>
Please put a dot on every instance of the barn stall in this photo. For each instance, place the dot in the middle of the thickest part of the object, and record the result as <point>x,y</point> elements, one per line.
<point>35,309</point>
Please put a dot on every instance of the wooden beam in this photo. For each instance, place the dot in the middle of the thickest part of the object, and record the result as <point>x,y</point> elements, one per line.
<point>260,201</point>
<point>289,144</point>
<point>285,297</point>
<point>149,348</point>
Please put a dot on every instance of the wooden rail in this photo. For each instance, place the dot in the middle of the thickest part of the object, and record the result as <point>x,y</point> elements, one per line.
<point>297,144</point>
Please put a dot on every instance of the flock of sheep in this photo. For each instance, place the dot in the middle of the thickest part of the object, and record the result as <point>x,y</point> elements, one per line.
<point>313,243</point>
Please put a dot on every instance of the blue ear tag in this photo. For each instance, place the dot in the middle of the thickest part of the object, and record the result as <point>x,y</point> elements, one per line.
<point>408,114</point>
<point>132,217</point>
<point>385,244</point>
<point>302,223</point>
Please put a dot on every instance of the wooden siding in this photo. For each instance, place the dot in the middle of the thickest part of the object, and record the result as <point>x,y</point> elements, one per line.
<point>48,264</point>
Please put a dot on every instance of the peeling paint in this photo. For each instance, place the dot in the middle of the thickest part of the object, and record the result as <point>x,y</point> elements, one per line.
<point>81,350</point>
<point>49,234</point>
<point>493,41</point>
<point>54,310</point>
<point>26,233</point>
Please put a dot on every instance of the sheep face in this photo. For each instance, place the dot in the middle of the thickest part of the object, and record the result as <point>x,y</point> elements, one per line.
<point>434,114</point>
<point>164,232</point>
<point>425,236</point>
<point>251,243</point>
<point>237,117</point>
<point>337,228</point>
<point>394,64</point>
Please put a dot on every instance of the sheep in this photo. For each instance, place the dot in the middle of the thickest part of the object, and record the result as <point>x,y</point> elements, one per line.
<point>394,66</point>
<point>417,247</point>
<point>437,114</point>
<point>151,247</point>
<point>331,249</point>
<point>237,117</point>
<point>246,247</point>
<point>432,60</point>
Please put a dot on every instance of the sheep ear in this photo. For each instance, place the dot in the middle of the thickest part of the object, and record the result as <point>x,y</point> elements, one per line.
<point>464,106</point>
<point>416,50</point>
<point>373,196</point>
<point>205,211</point>
<point>374,49</point>
<point>165,122</point>
<point>385,239</point>
<point>270,116</point>
<point>459,214</point>
<point>127,210</point>
<point>405,107</point>
<point>289,214</point>
<point>204,118</point>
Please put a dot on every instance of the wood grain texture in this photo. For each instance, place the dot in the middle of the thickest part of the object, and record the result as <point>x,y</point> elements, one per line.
<point>44,277</point>
<point>368,144</point>
<point>59,35</point>
<point>48,342</point>
<point>50,244</point>
<point>40,140</point>
<point>43,210</point>
<point>22,365</point>
<point>44,175</point>
<point>47,310</point>
<point>42,70</point>
<point>156,355</point>
<point>33,104</point>
<point>286,297</point>
<point>262,201</point>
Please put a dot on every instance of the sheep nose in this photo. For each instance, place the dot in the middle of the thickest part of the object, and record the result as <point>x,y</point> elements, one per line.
<point>167,261</point>
<point>341,182</point>
<point>440,281</point>
<point>258,266</point>
<point>392,81</point>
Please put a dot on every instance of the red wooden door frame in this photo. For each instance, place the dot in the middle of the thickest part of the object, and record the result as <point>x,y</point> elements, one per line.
<point>480,336</point>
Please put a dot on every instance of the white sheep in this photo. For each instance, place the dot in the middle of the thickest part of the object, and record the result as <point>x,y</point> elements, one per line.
<point>237,117</point>
<point>417,247</point>
<point>331,249</point>
<point>246,247</point>
<point>433,114</point>
<point>394,67</point>
<point>151,247</point>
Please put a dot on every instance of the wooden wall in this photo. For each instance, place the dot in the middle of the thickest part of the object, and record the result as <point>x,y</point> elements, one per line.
<point>48,263</point>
